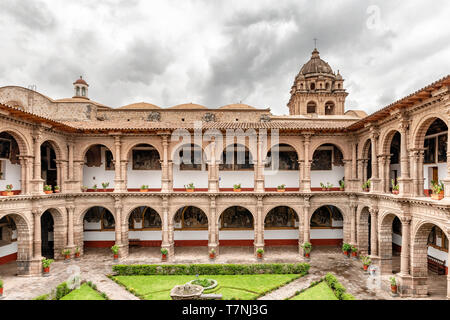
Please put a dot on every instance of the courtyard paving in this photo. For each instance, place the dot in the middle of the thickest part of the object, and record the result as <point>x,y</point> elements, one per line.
<point>96,263</point>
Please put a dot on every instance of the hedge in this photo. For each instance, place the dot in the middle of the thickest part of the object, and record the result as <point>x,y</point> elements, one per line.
<point>337,287</point>
<point>211,269</point>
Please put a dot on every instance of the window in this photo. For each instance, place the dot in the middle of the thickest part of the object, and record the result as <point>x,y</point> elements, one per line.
<point>313,86</point>
<point>78,91</point>
<point>235,158</point>
<point>2,170</point>
<point>109,161</point>
<point>83,92</point>
<point>190,218</point>
<point>329,108</point>
<point>311,107</point>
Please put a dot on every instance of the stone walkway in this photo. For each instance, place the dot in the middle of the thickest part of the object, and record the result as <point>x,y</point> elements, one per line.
<point>97,263</point>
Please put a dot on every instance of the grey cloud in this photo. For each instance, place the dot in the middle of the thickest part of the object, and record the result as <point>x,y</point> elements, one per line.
<point>35,15</point>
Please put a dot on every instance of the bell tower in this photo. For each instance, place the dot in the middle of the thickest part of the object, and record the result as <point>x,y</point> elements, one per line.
<point>317,90</point>
<point>80,88</point>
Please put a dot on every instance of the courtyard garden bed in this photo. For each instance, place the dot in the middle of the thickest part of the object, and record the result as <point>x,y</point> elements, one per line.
<point>234,281</point>
<point>232,287</point>
<point>328,288</point>
<point>65,291</point>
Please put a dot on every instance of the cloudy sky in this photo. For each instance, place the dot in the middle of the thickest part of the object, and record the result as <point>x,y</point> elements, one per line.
<point>220,52</point>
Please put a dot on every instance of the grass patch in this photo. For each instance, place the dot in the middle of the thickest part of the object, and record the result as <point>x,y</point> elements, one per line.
<point>243,287</point>
<point>319,292</point>
<point>85,292</point>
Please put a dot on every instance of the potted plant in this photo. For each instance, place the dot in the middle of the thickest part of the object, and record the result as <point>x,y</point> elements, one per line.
<point>48,189</point>
<point>66,254</point>
<point>190,187</point>
<point>281,188</point>
<point>307,246</point>
<point>212,254</point>
<point>57,189</point>
<point>323,186</point>
<point>354,252</point>
<point>164,253</point>
<point>144,188</point>
<point>46,266</point>
<point>346,247</point>
<point>94,187</point>
<point>77,253</point>
<point>395,187</point>
<point>105,185</point>
<point>8,191</point>
<point>1,287</point>
<point>437,189</point>
<point>341,185</point>
<point>237,187</point>
<point>366,186</point>
<point>329,186</point>
<point>115,251</point>
<point>393,285</point>
<point>84,188</point>
<point>260,253</point>
<point>366,262</point>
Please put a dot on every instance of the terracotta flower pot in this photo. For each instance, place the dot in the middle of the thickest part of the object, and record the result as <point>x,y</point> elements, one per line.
<point>57,191</point>
<point>259,255</point>
<point>281,190</point>
<point>439,196</point>
<point>324,189</point>
<point>237,190</point>
<point>212,255</point>
<point>365,267</point>
<point>395,191</point>
<point>164,257</point>
<point>9,193</point>
<point>48,192</point>
<point>67,256</point>
<point>143,190</point>
<point>394,289</point>
<point>47,270</point>
<point>77,254</point>
<point>116,256</point>
<point>1,291</point>
<point>342,189</point>
<point>307,255</point>
<point>354,253</point>
<point>190,190</point>
<point>366,190</point>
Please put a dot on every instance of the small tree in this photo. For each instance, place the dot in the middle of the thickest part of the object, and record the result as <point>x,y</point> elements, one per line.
<point>307,246</point>
<point>115,249</point>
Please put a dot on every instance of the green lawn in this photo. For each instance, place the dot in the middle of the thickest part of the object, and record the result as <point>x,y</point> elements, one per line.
<point>319,292</point>
<point>83,293</point>
<point>244,287</point>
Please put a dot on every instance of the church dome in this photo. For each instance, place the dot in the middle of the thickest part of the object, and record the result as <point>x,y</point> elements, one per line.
<point>316,65</point>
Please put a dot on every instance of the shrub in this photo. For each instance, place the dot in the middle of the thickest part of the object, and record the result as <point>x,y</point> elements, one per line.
<point>115,249</point>
<point>211,269</point>
<point>42,297</point>
<point>347,296</point>
<point>337,287</point>
<point>62,290</point>
<point>1,283</point>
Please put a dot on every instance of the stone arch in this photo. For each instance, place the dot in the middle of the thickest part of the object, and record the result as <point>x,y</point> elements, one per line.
<point>318,205</point>
<point>126,216</point>
<point>419,261</point>
<point>85,148</point>
<point>330,106</point>
<point>282,144</point>
<point>363,230</point>
<point>334,236</point>
<point>386,220</point>
<point>181,210</point>
<point>269,209</point>
<point>24,242</point>
<point>22,141</point>
<point>242,206</point>
<point>128,149</point>
<point>247,147</point>
<point>386,140</point>
<point>176,149</point>
<point>81,213</point>
<point>59,229</point>
<point>366,145</point>
<point>59,151</point>
<point>338,144</point>
<point>203,208</point>
<point>284,140</point>
<point>421,128</point>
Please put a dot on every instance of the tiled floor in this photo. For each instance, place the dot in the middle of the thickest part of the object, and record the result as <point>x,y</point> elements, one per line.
<point>96,263</point>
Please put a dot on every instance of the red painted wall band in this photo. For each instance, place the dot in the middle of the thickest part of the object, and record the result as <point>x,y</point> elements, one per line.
<point>8,258</point>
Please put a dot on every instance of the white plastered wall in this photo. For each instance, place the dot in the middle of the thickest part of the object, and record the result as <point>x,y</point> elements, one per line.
<point>97,175</point>
<point>275,178</point>
<point>11,175</point>
<point>227,179</point>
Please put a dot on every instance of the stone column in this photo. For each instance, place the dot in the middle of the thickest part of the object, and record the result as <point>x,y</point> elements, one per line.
<point>213,230</point>
<point>446,181</point>
<point>307,166</point>
<point>38,183</point>
<point>306,221</point>
<point>405,183</point>
<point>123,248</point>
<point>213,178</point>
<point>353,209</point>
<point>78,175</point>
<point>375,180</point>
<point>118,181</point>
<point>165,165</point>
<point>167,228</point>
<point>405,253</point>
<point>37,234</point>
<point>414,154</point>
<point>384,173</point>
<point>58,173</point>
<point>354,162</point>
<point>170,175</point>
<point>23,175</point>
<point>123,174</point>
<point>420,173</point>
<point>347,173</point>
<point>301,164</point>
<point>71,165</point>
<point>70,211</point>
<point>259,168</point>
<point>373,232</point>
<point>259,226</point>
<point>361,167</point>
